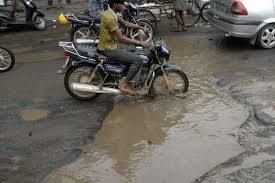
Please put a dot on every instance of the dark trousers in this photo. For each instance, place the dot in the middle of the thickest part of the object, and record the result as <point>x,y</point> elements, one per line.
<point>124,56</point>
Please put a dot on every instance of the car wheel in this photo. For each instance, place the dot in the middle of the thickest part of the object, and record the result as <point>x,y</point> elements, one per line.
<point>266,36</point>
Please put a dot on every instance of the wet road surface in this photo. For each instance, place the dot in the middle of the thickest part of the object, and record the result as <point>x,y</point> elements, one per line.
<point>163,140</point>
<point>221,131</point>
<point>209,136</point>
<point>41,127</point>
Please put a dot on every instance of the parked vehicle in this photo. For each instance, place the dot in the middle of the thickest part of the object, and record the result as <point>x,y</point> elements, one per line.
<point>245,19</point>
<point>85,27</point>
<point>34,18</point>
<point>7,59</point>
<point>94,74</point>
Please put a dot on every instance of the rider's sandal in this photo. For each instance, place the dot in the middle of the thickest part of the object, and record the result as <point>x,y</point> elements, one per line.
<point>127,90</point>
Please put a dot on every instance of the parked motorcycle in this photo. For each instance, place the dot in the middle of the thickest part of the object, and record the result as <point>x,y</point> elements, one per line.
<point>34,18</point>
<point>7,59</point>
<point>85,27</point>
<point>93,74</point>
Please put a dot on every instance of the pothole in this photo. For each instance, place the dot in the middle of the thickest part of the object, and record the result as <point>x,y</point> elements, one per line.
<point>34,114</point>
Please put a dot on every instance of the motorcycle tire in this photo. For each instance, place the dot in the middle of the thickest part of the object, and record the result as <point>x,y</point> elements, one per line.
<point>81,78</point>
<point>4,52</point>
<point>180,73</point>
<point>39,23</point>
<point>81,32</point>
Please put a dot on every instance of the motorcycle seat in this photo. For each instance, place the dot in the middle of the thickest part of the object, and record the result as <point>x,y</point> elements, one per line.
<point>84,49</point>
<point>9,9</point>
<point>90,51</point>
<point>99,56</point>
<point>87,50</point>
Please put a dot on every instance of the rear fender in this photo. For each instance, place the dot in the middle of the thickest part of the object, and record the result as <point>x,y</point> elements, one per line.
<point>37,13</point>
<point>76,58</point>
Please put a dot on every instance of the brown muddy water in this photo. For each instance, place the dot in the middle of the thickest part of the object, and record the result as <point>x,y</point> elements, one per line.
<point>33,114</point>
<point>174,139</point>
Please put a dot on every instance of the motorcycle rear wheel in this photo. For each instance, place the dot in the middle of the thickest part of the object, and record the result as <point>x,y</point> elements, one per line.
<point>177,80</point>
<point>81,74</point>
<point>7,59</point>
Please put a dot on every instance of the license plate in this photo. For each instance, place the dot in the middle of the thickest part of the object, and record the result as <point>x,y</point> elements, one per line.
<point>219,7</point>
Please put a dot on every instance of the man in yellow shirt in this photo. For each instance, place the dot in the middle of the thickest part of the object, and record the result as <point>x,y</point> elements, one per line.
<point>108,43</point>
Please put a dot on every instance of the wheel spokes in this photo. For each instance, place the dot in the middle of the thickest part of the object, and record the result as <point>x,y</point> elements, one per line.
<point>5,59</point>
<point>82,34</point>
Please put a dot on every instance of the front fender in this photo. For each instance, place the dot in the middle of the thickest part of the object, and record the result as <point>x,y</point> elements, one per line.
<point>37,13</point>
<point>167,68</point>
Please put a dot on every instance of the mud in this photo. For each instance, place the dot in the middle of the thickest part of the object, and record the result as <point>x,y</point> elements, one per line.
<point>31,149</point>
<point>219,133</point>
<point>222,131</point>
<point>34,114</point>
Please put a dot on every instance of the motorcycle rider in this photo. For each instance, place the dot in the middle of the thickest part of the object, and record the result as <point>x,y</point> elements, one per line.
<point>108,44</point>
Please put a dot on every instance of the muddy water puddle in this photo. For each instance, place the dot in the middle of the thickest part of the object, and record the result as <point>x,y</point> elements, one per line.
<point>162,140</point>
<point>33,114</point>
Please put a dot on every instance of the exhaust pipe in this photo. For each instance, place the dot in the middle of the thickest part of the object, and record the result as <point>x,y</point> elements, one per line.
<point>94,89</point>
<point>87,41</point>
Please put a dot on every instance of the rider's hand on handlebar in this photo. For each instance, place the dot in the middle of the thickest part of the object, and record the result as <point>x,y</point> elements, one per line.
<point>145,44</point>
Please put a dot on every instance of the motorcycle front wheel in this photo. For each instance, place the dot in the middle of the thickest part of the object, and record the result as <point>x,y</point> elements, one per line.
<point>83,32</point>
<point>176,82</point>
<point>149,16</point>
<point>139,34</point>
<point>81,74</point>
<point>7,59</point>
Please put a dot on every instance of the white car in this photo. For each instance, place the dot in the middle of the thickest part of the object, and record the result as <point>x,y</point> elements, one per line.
<point>245,19</point>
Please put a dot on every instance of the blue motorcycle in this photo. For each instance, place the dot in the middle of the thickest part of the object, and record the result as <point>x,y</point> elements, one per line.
<point>92,74</point>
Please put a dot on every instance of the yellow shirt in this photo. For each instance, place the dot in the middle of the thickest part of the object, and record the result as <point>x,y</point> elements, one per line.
<point>108,24</point>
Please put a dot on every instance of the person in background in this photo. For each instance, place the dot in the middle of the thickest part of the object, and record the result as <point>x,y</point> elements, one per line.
<point>180,8</point>
<point>96,8</point>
